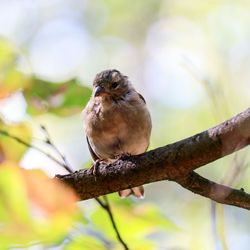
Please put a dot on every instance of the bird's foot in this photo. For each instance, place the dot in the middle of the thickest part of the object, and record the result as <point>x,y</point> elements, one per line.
<point>95,167</point>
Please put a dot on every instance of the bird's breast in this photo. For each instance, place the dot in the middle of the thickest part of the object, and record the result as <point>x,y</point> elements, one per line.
<point>118,129</point>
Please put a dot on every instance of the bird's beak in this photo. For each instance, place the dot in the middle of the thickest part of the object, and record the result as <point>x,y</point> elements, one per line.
<point>98,91</point>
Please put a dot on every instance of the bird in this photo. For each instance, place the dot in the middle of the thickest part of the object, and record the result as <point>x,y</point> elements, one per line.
<point>117,121</point>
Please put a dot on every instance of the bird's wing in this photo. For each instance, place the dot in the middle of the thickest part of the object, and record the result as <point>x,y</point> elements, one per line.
<point>142,97</point>
<point>93,154</point>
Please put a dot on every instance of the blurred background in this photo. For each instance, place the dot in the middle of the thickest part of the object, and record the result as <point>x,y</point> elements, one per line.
<point>189,59</point>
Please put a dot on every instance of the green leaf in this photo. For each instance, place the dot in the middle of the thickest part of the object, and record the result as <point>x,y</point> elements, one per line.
<point>85,242</point>
<point>62,99</point>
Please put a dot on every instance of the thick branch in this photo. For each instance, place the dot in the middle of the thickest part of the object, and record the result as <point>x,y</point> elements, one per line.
<point>217,192</point>
<point>171,162</point>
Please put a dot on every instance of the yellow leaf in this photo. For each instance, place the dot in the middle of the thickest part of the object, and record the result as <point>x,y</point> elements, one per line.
<point>10,149</point>
<point>10,78</point>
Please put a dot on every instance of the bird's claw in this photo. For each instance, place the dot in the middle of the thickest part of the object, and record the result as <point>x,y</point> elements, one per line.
<point>95,167</point>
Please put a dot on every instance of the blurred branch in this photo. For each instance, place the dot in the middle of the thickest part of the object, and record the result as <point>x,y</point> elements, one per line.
<point>173,162</point>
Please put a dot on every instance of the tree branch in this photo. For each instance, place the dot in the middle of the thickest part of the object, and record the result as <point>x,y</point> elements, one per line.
<point>171,162</point>
<point>217,192</point>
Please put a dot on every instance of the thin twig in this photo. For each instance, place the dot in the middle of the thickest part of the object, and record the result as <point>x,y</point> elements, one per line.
<point>29,145</point>
<point>107,207</point>
<point>53,146</point>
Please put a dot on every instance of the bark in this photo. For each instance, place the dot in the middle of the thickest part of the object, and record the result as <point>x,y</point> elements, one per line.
<point>174,162</point>
<point>217,192</point>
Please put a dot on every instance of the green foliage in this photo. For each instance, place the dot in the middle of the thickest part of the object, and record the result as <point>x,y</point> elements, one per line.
<point>212,35</point>
<point>85,242</point>
<point>137,222</point>
<point>27,214</point>
<point>61,99</point>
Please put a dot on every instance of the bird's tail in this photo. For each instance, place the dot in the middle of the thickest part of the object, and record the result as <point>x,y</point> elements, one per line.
<point>136,191</point>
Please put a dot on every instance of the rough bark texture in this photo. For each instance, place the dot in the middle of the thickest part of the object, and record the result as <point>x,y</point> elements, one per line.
<point>172,162</point>
<point>217,192</point>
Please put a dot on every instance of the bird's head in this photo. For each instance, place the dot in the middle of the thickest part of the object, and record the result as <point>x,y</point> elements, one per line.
<point>111,83</point>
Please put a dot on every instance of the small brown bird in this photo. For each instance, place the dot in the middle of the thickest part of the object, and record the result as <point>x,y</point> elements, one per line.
<point>116,121</point>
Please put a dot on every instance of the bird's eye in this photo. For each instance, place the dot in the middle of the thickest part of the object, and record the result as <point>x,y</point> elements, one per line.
<point>114,85</point>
